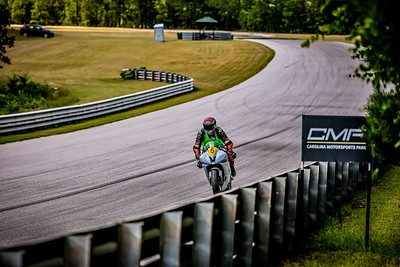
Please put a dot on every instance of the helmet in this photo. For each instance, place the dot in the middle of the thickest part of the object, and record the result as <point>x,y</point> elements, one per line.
<point>209,124</point>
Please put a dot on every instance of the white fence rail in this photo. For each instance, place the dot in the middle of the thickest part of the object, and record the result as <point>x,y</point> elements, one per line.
<point>36,119</point>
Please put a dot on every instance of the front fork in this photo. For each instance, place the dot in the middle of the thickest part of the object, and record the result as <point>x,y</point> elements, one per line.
<point>208,173</point>
<point>220,174</point>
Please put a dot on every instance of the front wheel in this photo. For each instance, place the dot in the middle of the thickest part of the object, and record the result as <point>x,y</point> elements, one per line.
<point>214,181</point>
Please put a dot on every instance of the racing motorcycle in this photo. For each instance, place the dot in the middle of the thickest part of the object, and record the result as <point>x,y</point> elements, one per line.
<point>215,163</point>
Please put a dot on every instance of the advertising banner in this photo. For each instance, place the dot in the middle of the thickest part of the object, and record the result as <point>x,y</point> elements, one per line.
<point>333,138</point>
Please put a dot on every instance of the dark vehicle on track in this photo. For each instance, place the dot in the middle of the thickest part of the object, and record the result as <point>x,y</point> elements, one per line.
<point>35,30</point>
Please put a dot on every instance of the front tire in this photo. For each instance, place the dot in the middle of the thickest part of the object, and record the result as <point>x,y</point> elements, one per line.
<point>214,181</point>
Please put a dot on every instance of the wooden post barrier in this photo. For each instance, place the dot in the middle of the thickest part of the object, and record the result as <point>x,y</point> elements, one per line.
<point>345,181</point>
<point>11,258</point>
<point>322,189</point>
<point>304,197</point>
<point>202,234</point>
<point>228,207</point>
<point>313,197</point>
<point>292,185</point>
<point>263,223</point>
<point>130,244</point>
<point>170,240</point>
<point>278,217</point>
<point>337,202</point>
<point>330,189</point>
<point>245,231</point>
<point>77,251</point>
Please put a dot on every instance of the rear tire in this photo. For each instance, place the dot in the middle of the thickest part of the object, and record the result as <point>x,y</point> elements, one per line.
<point>214,181</point>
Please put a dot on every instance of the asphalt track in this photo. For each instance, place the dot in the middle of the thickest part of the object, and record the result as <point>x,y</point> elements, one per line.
<point>65,184</point>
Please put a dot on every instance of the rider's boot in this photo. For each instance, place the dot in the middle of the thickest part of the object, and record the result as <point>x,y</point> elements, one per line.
<point>233,171</point>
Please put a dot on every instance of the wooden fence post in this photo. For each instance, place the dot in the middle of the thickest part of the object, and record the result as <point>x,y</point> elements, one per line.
<point>202,234</point>
<point>313,197</point>
<point>278,217</point>
<point>170,239</point>
<point>77,251</point>
<point>246,226</point>
<point>130,244</point>
<point>11,258</point>
<point>322,189</point>
<point>263,223</point>
<point>229,204</point>
<point>292,185</point>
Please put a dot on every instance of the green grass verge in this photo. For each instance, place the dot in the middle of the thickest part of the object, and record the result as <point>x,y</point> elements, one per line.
<point>341,241</point>
<point>87,62</point>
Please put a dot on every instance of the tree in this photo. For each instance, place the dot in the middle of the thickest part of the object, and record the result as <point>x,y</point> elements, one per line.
<point>21,11</point>
<point>48,11</point>
<point>376,32</point>
<point>92,13</point>
<point>72,12</point>
<point>256,15</point>
<point>374,26</point>
<point>147,13</point>
<point>253,15</point>
<point>228,13</point>
<point>5,40</point>
<point>162,12</point>
<point>184,13</point>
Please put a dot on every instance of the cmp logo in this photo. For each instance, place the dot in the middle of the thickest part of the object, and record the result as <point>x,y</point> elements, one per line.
<point>327,134</point>
<point>331,137</point>
<point>328,138</point>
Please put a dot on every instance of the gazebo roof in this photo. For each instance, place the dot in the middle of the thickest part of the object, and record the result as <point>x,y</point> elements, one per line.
<point>207,19</point>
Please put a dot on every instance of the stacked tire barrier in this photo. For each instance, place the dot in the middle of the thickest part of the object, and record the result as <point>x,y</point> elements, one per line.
<point>49,117</point>
<point>252,226</point>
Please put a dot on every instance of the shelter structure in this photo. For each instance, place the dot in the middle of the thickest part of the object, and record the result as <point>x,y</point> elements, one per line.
<point>203,21</point>
<point>202,34</point>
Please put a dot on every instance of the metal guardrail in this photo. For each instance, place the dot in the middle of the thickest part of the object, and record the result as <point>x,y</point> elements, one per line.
<point>37,119</point>
<point>221,36</point>
<point>252,226</point>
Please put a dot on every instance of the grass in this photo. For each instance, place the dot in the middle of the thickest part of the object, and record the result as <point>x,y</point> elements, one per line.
<point>87,62</point>
<point>341,242</point>
<point>302,36</point>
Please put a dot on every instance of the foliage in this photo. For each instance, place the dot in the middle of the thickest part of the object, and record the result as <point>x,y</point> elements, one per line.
<point>376,32</point>
<point>382,130</point>
<point>374,27</point>
<point>19,93</point>
<point>4,39</point>
<point>287,16</point>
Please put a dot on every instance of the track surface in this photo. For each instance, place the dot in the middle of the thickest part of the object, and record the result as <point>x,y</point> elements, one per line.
<point>85,180</point>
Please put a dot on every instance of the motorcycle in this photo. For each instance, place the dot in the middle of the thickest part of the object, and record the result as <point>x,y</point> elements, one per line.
<point>216,166</point>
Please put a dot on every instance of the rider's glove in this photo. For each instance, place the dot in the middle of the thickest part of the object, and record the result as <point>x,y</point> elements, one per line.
<point>232,154</point>
<point>199,164</point>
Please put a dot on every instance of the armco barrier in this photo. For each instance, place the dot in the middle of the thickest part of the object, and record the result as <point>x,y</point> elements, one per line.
<point>36,119</point>
<point>252,226</point>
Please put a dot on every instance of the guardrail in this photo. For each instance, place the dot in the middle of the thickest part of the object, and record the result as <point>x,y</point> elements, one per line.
<point>252,226</point>
<point>37,119</point>
<point>221,36</point>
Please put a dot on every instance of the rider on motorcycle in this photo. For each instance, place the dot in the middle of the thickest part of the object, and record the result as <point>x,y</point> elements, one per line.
<point>212,132</point>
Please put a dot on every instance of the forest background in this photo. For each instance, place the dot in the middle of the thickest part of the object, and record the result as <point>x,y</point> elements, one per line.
<point>284,16</point>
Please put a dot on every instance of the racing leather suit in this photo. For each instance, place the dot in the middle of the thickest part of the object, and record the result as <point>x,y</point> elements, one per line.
<point>218,134</point>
